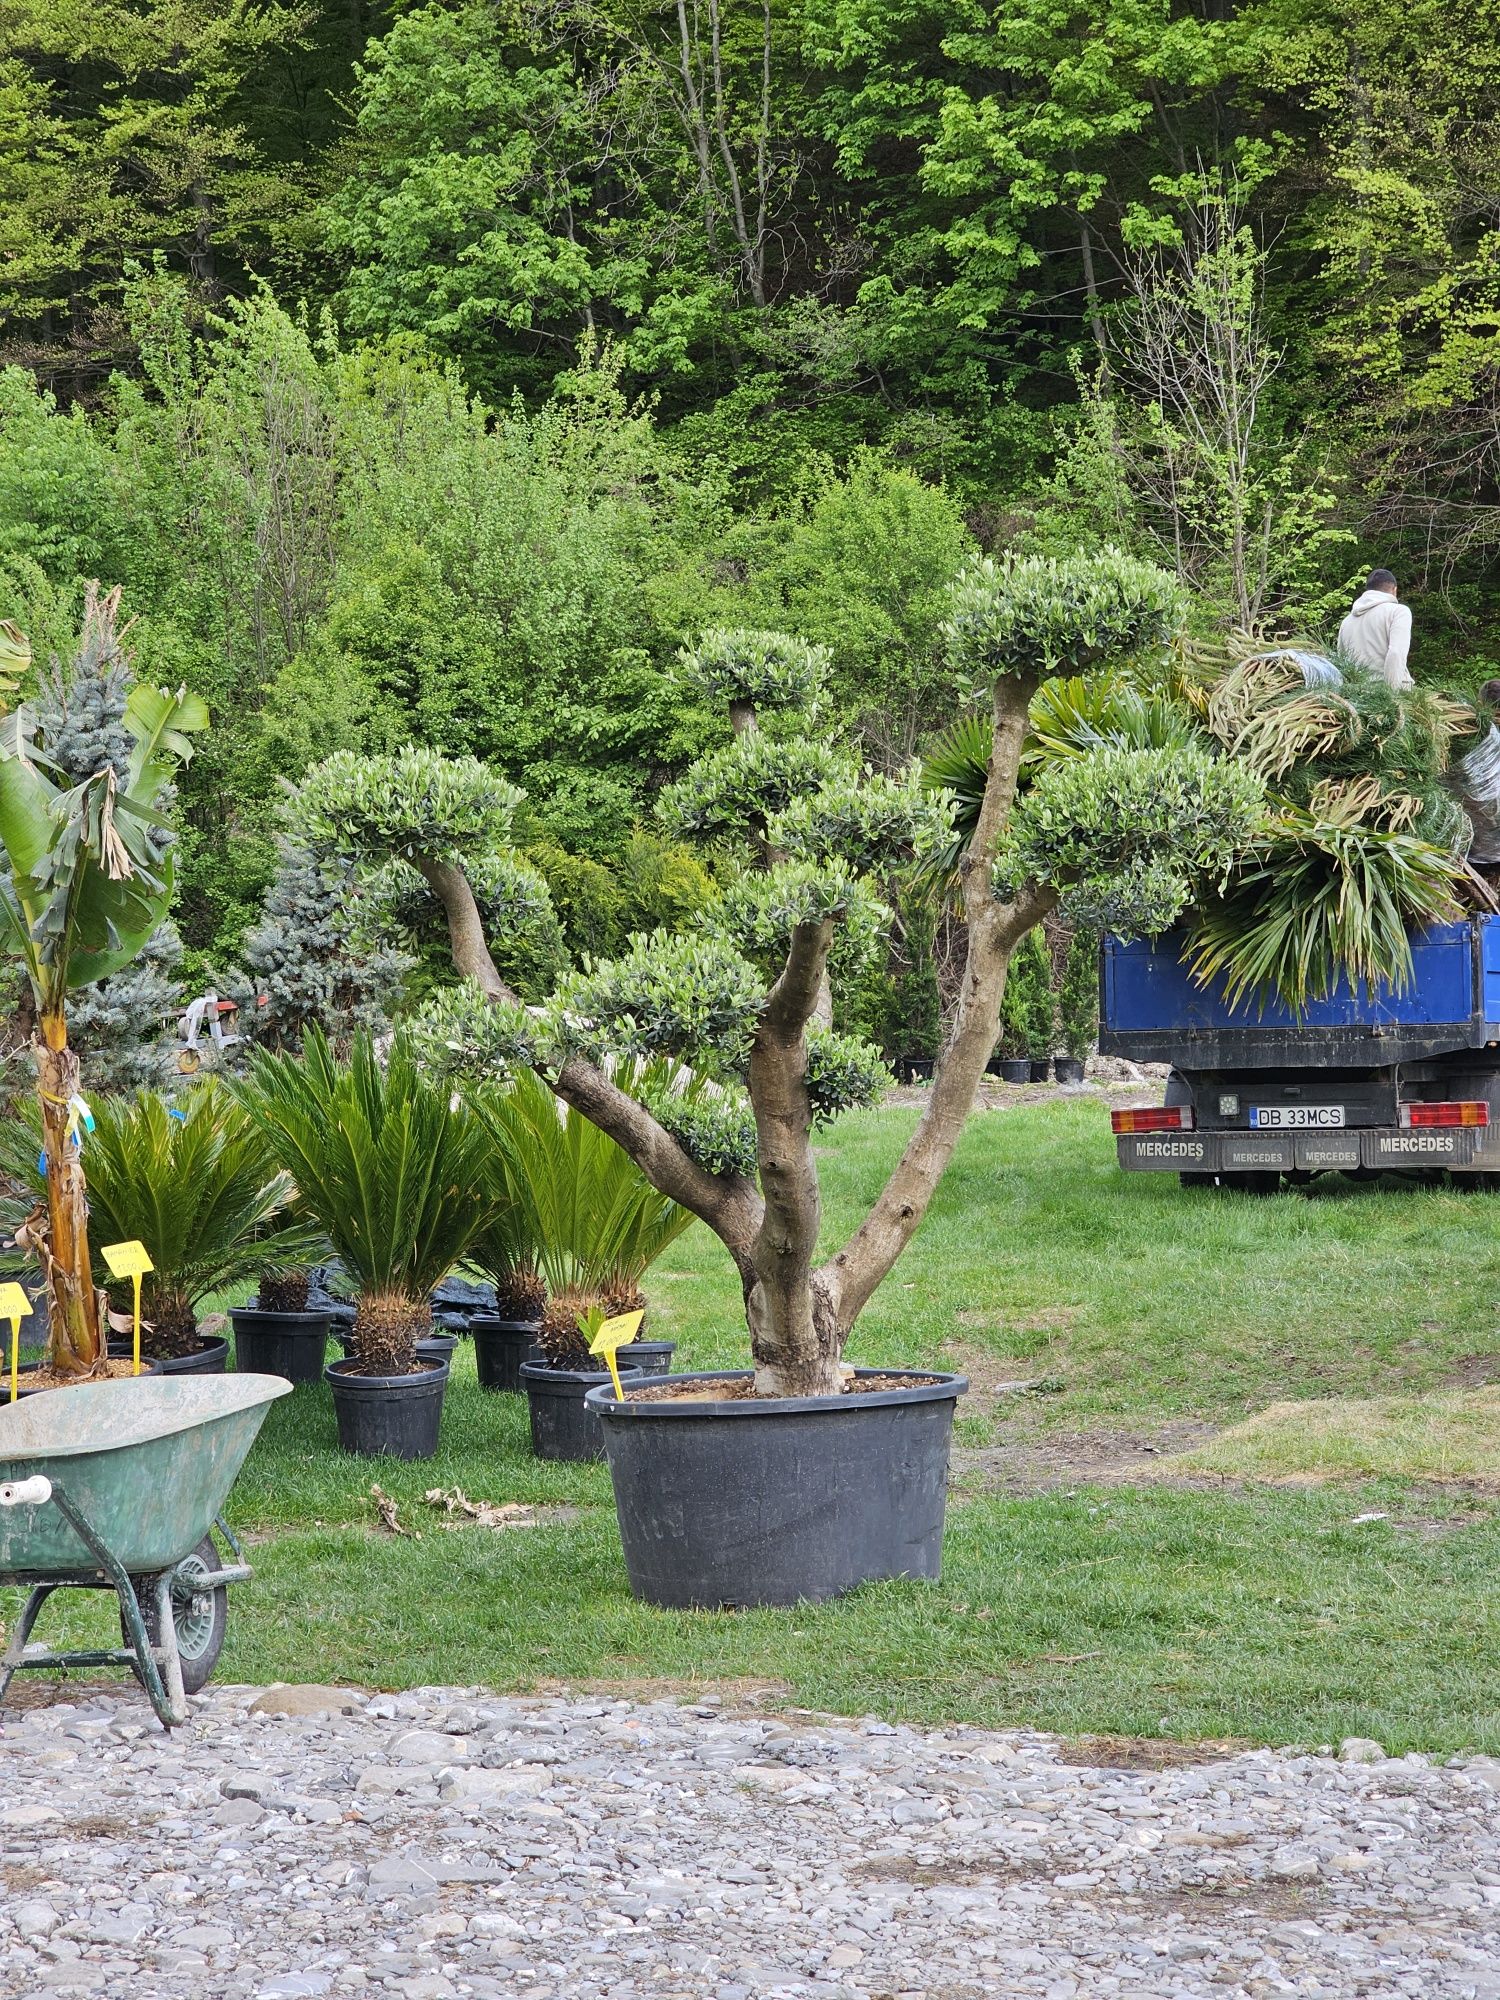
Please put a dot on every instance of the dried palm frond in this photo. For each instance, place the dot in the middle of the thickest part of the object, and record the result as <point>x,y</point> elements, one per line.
<point>1315,902</point>
<point>1348,801</point>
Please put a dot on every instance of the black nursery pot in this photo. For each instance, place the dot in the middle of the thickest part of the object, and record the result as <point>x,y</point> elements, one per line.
<point>562,1425</point>
<point>1015,1069</point>
<point>1070,1069</point>
<point>436,1346</point>
<point>1041,1068</point>
<point>651,1357</point>
<point>292,1345</point>
<point>780,1501</point>
<point>209,1357</point>
<point>500,1346</point>
<point>390,1416</point>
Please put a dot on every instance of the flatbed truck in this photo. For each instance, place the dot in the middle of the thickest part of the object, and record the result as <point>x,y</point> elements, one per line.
<point>1368,1081</point>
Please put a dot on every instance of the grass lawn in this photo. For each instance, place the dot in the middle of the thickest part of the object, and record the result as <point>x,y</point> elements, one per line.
<point>1265,1611</point>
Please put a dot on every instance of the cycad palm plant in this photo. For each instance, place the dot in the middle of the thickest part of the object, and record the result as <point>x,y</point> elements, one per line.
<point>197,1186</point>
<point>584,1210</point>
<point>395,1173</point>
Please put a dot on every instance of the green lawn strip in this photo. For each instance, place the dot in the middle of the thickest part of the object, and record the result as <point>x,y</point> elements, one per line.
<point>1253,1612</point>
<point>1261,1615</point>
<point>1148,1299</point>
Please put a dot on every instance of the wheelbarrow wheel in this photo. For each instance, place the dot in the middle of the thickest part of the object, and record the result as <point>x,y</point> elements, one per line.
<point>199,1611</point>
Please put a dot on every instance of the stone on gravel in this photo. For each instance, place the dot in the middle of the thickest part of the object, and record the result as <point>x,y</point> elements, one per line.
<point>309,1699</point>
<point>1361,1750</point>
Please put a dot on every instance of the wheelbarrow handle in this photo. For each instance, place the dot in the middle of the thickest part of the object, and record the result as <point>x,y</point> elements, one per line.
<point>33,1492</point>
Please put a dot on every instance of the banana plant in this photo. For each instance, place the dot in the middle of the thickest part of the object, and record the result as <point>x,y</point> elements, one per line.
<point>87,878</point>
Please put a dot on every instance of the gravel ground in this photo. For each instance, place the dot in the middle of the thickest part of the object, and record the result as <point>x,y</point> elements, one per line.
<point>446,1842</point>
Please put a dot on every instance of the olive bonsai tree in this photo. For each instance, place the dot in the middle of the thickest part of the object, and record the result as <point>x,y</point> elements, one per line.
<point>1120,835</point>
<point>85,881</point>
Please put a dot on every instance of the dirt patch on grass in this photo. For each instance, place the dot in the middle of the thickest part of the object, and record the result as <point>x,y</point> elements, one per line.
<point>1474,1371</point>
<point>31,1690</point>
<point>737,1696</point>
<point>994,1378</point>
<point>1142,1753</point>
<point>1026,1461</point>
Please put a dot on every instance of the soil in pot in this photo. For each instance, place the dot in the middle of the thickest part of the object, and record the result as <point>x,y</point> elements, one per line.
<point>209,1357</point>
<point>37,1379</point>
<point>562,1427</point>
<point>292,1345</point>
<point>391,1416</point>
<point>500,1347</point>
<point>725,1498</point>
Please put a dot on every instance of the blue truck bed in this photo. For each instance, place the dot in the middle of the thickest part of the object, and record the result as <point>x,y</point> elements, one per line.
<point>1153,1010</point>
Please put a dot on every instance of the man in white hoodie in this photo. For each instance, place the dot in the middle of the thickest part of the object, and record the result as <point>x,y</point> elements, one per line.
<point>1377,632</point>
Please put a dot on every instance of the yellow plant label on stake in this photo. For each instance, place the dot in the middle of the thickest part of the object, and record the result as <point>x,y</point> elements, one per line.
<point>616,1333</point>
<point>14,1306</point>
<point>130,1260</point>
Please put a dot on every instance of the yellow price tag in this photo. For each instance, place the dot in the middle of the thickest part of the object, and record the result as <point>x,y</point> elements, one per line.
<point>616,1333</point>
<point>14,1306</point>
<point>130,1260</point>
<point>127,1260</point>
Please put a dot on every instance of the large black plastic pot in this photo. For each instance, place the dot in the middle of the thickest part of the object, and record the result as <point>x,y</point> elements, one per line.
<point>293,1345</point>
<point>1070,1069</point>
<point>392,1416</point>
<point>500,1346</point>
<point>436,1346</point>
<point>1015,1069</point>
<point>209,1357</point>
<point>782,1500</point>
<point>1041,1068</point>
<point>562,1425</point>
<point>652,1357</point>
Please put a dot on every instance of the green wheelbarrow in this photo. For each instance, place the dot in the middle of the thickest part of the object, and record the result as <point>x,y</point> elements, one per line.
<point>120,1486</point>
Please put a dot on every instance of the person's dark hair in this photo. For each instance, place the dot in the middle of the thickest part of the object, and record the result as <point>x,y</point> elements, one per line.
<point>1489,694</point>
<point>1380,579</point>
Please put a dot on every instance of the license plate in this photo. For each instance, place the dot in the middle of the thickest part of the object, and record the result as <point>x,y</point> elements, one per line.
<point>1295,1117</point>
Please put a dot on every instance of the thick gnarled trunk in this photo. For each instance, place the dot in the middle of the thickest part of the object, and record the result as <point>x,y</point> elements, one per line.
<point>73,1314</point>
<point>793,1323</point>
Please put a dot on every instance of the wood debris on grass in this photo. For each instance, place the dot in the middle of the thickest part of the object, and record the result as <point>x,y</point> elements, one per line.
<point>385,1509</point>
<point>485,1513</point>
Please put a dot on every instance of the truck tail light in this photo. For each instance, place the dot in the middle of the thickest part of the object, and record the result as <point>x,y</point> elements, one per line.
<point>1163,1118</point>
<point>1466,1113</point>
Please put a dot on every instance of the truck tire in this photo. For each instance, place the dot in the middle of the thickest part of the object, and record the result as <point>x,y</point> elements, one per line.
<point>1199,1180</point>
<point>1251,1183</point>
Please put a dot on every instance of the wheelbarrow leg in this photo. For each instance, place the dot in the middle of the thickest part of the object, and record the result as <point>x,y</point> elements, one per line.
<point>171,1657</point>
<point>17,1647</point>
<point>170,1711</point>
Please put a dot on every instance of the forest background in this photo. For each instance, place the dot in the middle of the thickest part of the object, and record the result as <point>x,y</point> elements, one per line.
<point>433,372</point>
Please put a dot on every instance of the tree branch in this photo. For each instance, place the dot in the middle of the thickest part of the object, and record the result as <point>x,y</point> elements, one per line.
<point>994,930</point>
<point>727,1203</point>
